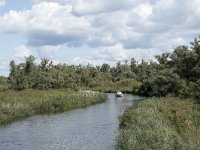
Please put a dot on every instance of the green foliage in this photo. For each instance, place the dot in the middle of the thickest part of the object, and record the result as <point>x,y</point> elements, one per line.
<point>154,124</point>
<point>183,60</point>
<point>105,68</point>
<point>163,59</point>
<point>4,85</point>
<point>190,89</point>
<point>128,85</point>
<point>176,73</point>
<point>15,105</point>
<point>161,83</point>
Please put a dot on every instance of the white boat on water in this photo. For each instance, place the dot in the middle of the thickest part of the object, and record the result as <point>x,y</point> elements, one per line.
<point>118,94</point>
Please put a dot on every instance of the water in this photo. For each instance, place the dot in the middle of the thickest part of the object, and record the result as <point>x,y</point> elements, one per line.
<point>91,128</point>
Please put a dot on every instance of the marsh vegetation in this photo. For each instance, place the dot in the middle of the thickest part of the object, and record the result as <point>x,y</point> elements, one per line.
<point>158,123</point>
<point>161,123</point>
<point>15,105</point>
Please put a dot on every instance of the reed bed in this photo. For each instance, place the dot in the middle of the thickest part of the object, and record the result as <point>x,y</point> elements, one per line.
<point>15,105</point>
<point>160,123</point>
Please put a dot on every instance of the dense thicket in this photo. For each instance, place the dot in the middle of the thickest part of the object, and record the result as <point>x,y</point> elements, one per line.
<point>176,73</point>
<point>46,75</point>
<point>160,124</point>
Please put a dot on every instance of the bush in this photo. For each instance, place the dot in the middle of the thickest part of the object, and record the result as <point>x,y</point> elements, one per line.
<point>161,83</point>
<point>155,124</point>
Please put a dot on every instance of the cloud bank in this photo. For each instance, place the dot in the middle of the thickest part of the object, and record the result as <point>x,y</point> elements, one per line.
<point>113,30</point>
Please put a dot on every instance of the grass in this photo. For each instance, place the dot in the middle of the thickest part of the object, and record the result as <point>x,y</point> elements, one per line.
<point>160,123</point>
<point>15,105</point>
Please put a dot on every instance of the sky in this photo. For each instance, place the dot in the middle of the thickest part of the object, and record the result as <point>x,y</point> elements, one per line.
<point>94,31</point>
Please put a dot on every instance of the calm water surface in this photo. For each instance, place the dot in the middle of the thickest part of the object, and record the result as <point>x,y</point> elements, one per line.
<point>91,128</point>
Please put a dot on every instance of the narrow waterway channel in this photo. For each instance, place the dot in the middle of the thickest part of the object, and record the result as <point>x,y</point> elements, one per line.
<point>91,128</point>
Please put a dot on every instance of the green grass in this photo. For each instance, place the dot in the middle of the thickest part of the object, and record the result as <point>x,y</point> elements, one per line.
<point>15,105</point>
<point>160,124</point>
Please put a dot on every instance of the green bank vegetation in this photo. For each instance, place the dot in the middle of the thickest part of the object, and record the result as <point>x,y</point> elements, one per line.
<point>176,74</point>
<point>160,123</point>
<point>15,105</point>
<point>166,122</point>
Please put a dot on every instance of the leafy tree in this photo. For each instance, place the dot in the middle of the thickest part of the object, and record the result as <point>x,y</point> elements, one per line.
<point>29,65</point>
<point>134,66</point>
<point>161,83</point>
<point>45,65</point>
<point>13,73</point>
<point>105,68</point>
<point>163,59</point>
<point>183,60</point>
<point>4,84</point>
<point>175,73</point>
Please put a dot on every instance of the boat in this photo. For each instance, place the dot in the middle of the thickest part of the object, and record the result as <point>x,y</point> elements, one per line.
<point>118,94</point>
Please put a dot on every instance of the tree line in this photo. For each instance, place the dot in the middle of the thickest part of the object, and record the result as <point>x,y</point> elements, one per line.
<point>176,73</point>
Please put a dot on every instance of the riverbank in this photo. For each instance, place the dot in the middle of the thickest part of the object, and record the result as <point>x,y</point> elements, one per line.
<point>15,105</point>
<point>160,123</point>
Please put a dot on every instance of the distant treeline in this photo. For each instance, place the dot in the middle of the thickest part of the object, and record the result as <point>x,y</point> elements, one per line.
<point>176,73</point>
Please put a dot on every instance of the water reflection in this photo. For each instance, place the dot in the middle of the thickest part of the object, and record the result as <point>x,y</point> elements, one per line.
<point>91,128</point>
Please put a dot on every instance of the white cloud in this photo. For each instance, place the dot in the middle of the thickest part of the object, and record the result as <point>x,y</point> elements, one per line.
<point>91,7</point>
<point>118,53</point>
<point>143,11</point>
<point>47,23</point>
<point>81,7</point>
<point>2,2</point>
<point>135,24</point>
<point>173,40</point>
<point>99,39</point>
<point>14,21</point>
<point>48,51</point>
<point>21,51</point>
<point>78,60</point>
<point>113,29</point>
<point>57,1</point>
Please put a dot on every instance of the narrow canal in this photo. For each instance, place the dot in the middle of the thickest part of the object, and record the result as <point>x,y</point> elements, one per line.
<point>91,128</point>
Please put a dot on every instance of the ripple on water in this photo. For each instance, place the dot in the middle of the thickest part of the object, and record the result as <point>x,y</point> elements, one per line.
<point>90,128</point>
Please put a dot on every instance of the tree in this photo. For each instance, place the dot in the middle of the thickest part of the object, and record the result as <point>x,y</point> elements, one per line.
<point>105,68</point>
<point>13,73</point>
<point>163,59</point>
<point>183,61</point>
<point>29,65</point>
<point>4,85</point>
<point>161,83</point>
<point>134,66</point>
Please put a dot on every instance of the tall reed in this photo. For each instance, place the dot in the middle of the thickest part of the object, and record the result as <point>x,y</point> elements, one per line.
<point>15,105</point>
<point>160,123</point>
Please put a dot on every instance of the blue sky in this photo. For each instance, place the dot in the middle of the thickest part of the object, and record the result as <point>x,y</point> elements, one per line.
<point>95,32</point>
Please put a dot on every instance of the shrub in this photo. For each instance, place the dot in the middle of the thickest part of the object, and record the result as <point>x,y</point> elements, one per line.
<point>161,83</point>
<point>165,123</point>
